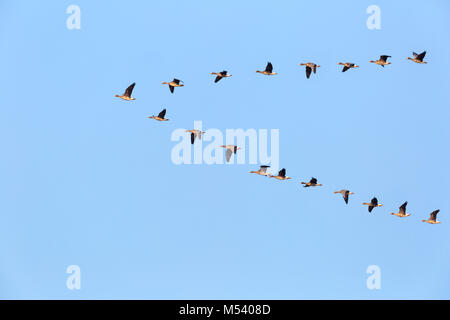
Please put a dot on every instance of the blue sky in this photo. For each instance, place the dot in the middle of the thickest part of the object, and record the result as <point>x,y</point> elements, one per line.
<point>88,180</point>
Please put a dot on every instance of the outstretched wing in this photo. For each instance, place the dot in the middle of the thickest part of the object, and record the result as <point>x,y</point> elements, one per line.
<point>192,137</point>
<point>384,58</point>
<point>162,114</point>
<point>374,202</point>
<point>313,181</point>
<point>345,195</point>
<point>433,215</point>
<point>129,90</point>
<point>420,56</point>
<point>228,154</point>
<point>282,173</point>
<point>269,67</point>
<point>223,73</point>
<point>263,169</point>
<point>308,72</point>
<point>176,81</point>
<point>402,208</point>
<point>171,88</point>
<point>345,68</point>
<point>218,79</point>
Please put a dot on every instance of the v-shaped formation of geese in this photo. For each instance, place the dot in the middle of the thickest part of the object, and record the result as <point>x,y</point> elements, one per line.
<point>310,67</point>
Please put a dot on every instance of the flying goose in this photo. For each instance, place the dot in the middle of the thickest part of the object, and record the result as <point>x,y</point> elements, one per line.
<point>268,71</point>
<point>373,204</point>
<point>195,134</point>
<point>402,211</point>
<point>281,175</point>
<point>262,171</point>
<point>220,75</point>
<point>174,83</point>
<point>347,65</point>
<point>127,94</point>
<point>160,116</point>
<point>432,218</point>
<point>345,194</point>
<point>311,183</point>
<point>310,67</point>
<point>382,61</point>
<point>231,148</point>
<point>418,58</point>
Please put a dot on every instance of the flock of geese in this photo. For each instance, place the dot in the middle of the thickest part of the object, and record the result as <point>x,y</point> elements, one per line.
<point>310,67</point>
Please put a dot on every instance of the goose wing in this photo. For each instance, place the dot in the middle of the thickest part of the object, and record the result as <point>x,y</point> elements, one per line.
<point>192,137</point>
<point>228,154</point>
<point>345,195</point>
<point>433,215</point>
<point>374,202</point>
<point>420,56</point>
<point>269,67</point>
<point>217,79</point>
<point>171,88</point>
<point>162,114</point>
<point>345,68</point>
<point>263,169</point>
<point>129,90</point>
<point>402,209</point>
<point>282,173</point>
<point>313,181</point>
<point>308,71</point>
<point>384,58</point>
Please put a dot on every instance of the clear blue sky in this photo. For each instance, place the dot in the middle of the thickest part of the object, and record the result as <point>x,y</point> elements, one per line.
<point>87,179</point>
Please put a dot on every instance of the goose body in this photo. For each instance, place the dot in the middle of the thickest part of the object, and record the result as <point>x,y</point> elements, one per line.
<point>195,134</point>
<point>220,75</point>
<point>281,175</point>
<point>418,58</point>
<point>310,67</point>
<point>432,219</point>
<point>268,71</point>
<point>347,65</point>
<point>311,183</point>
<point>373,204</point>
<point>174,83</point>
<point>160,116</point>
<point>231,149</point>
<point>382,61</point>
<point>345,193</point>
<point>127,94</point>
<point>262,171</point>
<point>402,211</point>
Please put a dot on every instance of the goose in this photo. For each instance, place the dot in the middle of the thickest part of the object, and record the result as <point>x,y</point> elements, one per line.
<point>127,94</point>
<point>402,211</point>
<point>418,58</point>
<point>160,116</point>
<point>195,134</point>
<point>311,183</point>
<point>220,75</point>
<point>268,71</point>
<point>382,61</point>
<point>310,67</point>
<point>231,148</point>
<point>262,171</point>
<point>373,204</point>
<point>281,175</point>
<point>347,65</point>
<point>174,83</point>
<point>432,218</point>
<point>345,194</point>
